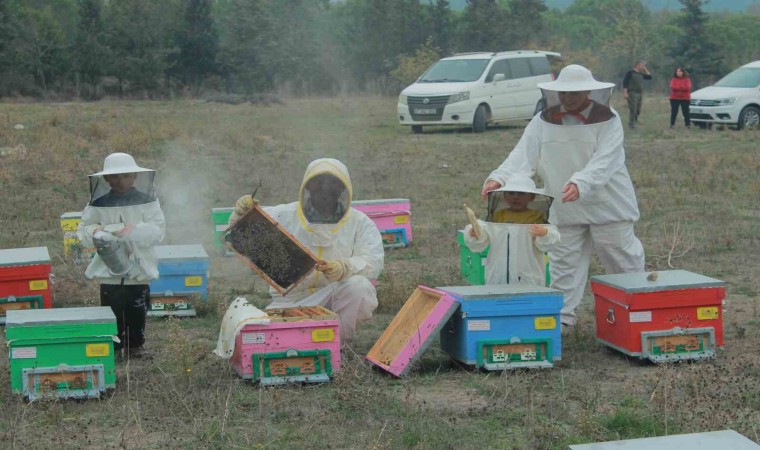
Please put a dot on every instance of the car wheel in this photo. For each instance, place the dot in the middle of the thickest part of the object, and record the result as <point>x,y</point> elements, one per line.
<point>749,117</point>
<point>479,120</point>
<point>417,129</point>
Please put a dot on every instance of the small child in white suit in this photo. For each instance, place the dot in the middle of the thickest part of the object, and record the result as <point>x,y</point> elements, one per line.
<point>518,235</point>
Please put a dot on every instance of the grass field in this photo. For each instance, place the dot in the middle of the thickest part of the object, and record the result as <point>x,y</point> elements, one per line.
<point>699,195</point>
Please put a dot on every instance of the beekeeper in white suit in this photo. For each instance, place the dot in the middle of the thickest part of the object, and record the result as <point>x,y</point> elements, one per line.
<point>576,146</point>
<point>124,214</point>
<point>346,240</point>
<point>516,231</point>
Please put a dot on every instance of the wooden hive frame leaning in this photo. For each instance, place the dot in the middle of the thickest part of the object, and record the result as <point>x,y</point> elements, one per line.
<point>411,331</point>
<point>270,250</point>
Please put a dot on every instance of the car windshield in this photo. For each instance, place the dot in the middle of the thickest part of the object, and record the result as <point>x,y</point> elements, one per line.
<point>454,70</point>
<point>745,77</point>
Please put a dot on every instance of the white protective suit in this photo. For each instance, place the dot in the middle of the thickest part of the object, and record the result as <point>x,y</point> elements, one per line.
<point>143,213</point>
<point>514,255</point>
<point>354,239</point>
<point>590,155</point>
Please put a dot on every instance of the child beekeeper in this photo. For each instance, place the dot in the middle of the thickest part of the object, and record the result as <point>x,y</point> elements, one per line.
<point>517,232</point>
<point>124,222</point>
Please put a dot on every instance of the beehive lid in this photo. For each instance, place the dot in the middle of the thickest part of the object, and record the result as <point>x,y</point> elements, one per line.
<point>222,210</point>
<point>412,330</point>
<point>497,291</point>
<point>56,316</point>
<point>71,215</point>
<point>381,201</point>
<point>188,251</point>
<point>712,440</point>
<point>24,256</point>
<point>664,280</point>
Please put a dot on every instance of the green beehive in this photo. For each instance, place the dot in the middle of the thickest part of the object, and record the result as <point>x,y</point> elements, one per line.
<point>219,218</point>
<point>61,353</point>
<point>472,265</point>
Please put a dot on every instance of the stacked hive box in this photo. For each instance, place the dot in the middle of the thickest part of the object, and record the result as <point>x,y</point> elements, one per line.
<point>300,344</point>
<point>392,217</point>
<point>63,353</point>
<point>183,277</point>
<point>24,279</point>
<point>504,326</point>
<point>660,316</point>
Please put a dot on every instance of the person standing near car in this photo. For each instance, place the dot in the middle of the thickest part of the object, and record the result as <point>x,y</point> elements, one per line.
<point>576,146</point>
<point>633,89</point>
<point>680,96</point>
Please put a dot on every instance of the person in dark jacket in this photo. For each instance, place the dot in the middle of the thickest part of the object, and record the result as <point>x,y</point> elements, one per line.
<point>680,95</point>
<point>633,88</point>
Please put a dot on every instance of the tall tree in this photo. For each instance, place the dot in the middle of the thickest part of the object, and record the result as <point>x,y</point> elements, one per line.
<point>440,24</point>
<point>198,43</point>
<point>695,50</point>
<point>140,37</point>
<point>481,27</point>
<point>736,36</point>
<point>42,43</point>
<point>90,51</point>
<point>526,23</point>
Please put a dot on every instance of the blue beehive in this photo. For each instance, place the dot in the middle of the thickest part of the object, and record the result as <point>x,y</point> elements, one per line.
<point>504,326</point>
<point>182,276</point>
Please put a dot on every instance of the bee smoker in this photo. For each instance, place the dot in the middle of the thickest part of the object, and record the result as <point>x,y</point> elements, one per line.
<point>113,254</point>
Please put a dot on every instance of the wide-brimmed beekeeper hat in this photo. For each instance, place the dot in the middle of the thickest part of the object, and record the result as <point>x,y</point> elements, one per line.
<point>120,163</point>
<point>574,78</point>
<point>520,183</point>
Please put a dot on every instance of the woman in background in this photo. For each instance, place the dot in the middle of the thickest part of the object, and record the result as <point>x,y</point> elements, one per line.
<point>680,95</point>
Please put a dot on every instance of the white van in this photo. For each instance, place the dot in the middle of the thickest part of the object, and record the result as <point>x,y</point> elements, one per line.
<point>733,100</point>
<point>475,89</point>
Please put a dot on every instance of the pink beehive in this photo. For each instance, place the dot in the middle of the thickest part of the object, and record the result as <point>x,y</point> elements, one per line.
<point>300,344</point>
<point>392,217</point>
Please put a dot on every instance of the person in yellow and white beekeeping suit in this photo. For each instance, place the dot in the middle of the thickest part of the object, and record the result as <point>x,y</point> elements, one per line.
<point>124,216</point>
<point>346,240</point>
<point>575,145</point>
<point>516,232</point>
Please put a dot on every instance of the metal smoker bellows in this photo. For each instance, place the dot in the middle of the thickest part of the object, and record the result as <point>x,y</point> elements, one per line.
<point>113,254</point>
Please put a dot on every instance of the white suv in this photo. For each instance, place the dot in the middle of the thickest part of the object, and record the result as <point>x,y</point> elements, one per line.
<point>477,89</point>
<point>733,100</point>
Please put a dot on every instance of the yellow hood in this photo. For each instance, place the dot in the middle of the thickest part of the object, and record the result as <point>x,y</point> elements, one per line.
<point>327,166</point>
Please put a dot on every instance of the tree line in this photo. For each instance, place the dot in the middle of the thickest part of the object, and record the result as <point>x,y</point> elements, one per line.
<point>89,49</point>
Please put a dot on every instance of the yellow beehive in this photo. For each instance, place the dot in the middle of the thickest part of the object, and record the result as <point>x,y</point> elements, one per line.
<point>72,248</point>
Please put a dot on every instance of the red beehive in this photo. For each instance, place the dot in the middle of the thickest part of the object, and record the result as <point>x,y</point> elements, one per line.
<point>24,278</point>
<point>660,316</point>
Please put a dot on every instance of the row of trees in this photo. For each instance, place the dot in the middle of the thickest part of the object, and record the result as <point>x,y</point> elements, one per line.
<point>92,48</point>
